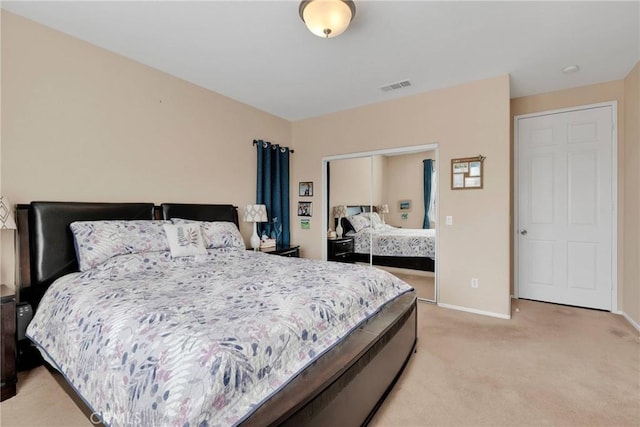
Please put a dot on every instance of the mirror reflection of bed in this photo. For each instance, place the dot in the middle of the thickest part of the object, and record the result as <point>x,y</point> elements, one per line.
<point>381,201</point>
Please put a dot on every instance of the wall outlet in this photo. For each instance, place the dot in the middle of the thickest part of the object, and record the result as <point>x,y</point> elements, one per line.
<point>449,220</point>
<point>474,282</point>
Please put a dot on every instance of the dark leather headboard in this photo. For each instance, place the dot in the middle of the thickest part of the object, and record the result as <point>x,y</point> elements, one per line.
<point>47,251</point>
<point>200,212</point>
<point>51,250</point>
<point>355,210</point>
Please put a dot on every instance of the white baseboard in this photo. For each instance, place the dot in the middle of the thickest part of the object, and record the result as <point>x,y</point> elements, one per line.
<point>474,311</point>
<point>630,320</point>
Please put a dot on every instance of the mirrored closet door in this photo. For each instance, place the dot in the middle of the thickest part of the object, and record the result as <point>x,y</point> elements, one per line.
<point>387,204</point>
<point>350,194</point>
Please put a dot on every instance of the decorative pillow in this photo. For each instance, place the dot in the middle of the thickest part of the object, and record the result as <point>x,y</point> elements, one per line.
<point>359,222</point>
<point>97,241</point>
<point>374,218</point>
<point>185,240</point>
<point>217,234</point>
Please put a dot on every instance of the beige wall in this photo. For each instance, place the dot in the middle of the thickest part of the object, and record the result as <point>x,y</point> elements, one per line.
<point>592,94</point>
<point>465,120</point>
<point>378,171</point>
<point>356,181</point>
<point>631,196</point>
<point>350,184</point>
<point>404,181</point>
<point>81,123</point>
<point>350,181</point>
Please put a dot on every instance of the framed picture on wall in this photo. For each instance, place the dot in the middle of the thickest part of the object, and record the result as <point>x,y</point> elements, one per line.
<point>305,209</point>
<point>305,189</point>
<point>404,205</point>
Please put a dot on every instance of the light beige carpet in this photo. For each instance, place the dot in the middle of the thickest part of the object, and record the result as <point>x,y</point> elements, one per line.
<point>549,365</point>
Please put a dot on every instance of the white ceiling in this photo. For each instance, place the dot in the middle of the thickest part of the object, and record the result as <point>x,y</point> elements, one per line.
<point>260,52</point>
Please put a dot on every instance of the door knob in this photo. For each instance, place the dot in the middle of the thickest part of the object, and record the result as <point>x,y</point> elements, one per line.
<point>523,232</point>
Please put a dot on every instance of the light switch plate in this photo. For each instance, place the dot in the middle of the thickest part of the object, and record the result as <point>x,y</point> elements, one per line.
<point>449,220</point>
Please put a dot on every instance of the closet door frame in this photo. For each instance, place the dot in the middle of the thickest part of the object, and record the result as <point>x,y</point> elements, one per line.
<point>389,151</point>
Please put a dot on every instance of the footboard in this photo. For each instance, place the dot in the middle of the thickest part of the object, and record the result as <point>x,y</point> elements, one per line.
<point>348,384</point>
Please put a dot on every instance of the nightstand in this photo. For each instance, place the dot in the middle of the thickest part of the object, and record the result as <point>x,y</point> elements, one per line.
<point>288,251</point>
<point>8,345</point>
<point>340,249</point>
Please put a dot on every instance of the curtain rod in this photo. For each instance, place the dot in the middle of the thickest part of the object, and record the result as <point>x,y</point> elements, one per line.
<point>255,142</point>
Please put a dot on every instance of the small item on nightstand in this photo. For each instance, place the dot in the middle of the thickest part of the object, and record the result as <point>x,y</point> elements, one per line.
<point>267,243</point>
<point>331,234</point>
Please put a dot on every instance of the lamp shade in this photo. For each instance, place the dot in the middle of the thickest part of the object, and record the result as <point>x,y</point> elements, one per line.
<point>327,18</point>
<point>6,216</point>
<point>339,211</point>
<point>255,213</point>
<point>384,209</point>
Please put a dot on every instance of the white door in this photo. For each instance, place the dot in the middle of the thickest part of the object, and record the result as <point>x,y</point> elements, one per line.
<point>565,207</point>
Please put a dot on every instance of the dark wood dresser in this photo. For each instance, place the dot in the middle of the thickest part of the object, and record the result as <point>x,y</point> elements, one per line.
<point>340,249</point>
<point>8,344</point>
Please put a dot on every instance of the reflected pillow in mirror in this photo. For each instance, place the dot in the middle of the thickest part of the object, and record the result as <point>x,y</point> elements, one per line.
<point>376,222</point>
<point>359,222</point>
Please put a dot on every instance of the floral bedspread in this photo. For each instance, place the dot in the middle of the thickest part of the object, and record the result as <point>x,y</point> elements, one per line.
<point>392,241</point>
<point>204,340</point>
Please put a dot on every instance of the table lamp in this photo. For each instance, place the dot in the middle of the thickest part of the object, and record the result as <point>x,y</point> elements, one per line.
<point>383,209</point>
<point>6,217</point>
<point>339,212</point>
<point>255,214</point>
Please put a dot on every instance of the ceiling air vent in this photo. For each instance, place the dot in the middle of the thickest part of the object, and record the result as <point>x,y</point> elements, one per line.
<point>395,86</point>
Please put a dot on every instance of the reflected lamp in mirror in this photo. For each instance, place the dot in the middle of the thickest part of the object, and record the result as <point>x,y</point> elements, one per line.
<point>383,209</point>
<point>339,212</point>
<point>255,214</point>
<point>6,215</point>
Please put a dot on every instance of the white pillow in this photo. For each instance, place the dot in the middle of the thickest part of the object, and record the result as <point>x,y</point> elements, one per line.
<point>359,222</point>
<point>185,240</point>
<point>97,241</point>
<point>376,222</point>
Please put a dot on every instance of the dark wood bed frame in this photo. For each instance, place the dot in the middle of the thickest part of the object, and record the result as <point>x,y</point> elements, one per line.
<point>343,387</point>
<point>410,262</point>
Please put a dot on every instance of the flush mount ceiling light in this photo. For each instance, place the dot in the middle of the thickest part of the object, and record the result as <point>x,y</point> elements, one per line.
<point>327,18</point>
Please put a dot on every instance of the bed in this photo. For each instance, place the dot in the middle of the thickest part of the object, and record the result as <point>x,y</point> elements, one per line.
<point>390,246</point>
<point>321,383</point>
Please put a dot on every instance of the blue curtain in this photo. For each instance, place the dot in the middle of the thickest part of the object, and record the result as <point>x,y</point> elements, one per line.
<point>273,189</point>
<point>428,172</point>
